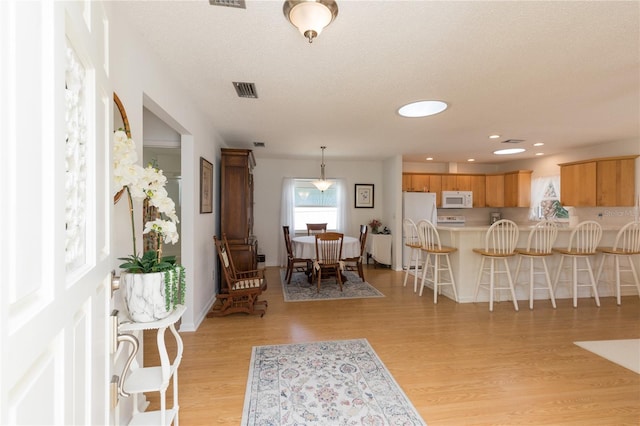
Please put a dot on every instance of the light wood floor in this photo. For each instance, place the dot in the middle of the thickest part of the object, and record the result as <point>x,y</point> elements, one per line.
<point>459,364</point>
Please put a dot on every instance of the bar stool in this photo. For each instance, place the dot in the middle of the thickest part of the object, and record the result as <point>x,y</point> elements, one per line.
<point>412,240</point>
<point>499,244</point>
<point>583,241</point>
<point>626,245</point>
<point>430,242</point>
<point>539,247</point>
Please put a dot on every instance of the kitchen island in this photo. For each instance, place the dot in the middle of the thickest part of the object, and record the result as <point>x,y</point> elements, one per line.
<point>465,264</point>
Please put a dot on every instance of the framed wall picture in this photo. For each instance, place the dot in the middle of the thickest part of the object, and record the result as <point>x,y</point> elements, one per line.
<point>206,186</point>
<point>364,196</point>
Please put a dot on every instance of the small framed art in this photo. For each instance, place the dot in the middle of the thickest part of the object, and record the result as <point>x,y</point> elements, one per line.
<point>206,186</point>
<point>364,196</point>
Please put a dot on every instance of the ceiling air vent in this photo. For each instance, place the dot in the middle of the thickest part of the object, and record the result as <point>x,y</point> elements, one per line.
<point>239,4</point>
<point>513,141</point>
<point>259,144</point>
<point>245,90</point>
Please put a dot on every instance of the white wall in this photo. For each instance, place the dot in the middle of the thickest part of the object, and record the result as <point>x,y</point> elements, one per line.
<point>140,81</point>
<point>268,176</point>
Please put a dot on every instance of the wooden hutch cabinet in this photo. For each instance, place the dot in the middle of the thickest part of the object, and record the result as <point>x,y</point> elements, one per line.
<point>236,207</point>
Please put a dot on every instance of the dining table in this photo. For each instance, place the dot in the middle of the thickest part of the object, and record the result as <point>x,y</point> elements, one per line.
<point>304,247</point>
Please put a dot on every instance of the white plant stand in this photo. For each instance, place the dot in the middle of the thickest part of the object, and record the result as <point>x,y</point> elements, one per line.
<point>156,379</point>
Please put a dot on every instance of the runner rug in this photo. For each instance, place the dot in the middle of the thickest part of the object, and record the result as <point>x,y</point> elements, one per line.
<point>301,290</point>
<point>624,352</point>
<point>341,382</point>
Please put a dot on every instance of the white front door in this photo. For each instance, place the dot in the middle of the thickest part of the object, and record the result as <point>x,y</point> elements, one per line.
<point>55,115</point>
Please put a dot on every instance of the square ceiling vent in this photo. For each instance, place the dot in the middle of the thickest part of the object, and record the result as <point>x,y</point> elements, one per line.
<point>513,141</point>
<point>245,90</point>
<point>238,4</point>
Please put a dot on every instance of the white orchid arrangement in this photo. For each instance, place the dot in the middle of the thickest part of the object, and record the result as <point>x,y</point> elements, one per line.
<point>145,183</point>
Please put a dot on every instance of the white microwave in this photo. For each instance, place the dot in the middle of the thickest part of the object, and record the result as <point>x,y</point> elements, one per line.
<point>457,199</point>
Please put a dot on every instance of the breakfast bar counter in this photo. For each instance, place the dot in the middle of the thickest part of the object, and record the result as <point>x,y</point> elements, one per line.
<point>465,263</point>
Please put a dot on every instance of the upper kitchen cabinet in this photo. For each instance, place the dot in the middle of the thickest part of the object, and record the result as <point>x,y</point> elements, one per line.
<point>494,195</point>
<point>615,182</point>
<point>606,182</point>
<point>478,187</point>
<point>517,188</point>
<point>455,182</point>
<point>578,184</point>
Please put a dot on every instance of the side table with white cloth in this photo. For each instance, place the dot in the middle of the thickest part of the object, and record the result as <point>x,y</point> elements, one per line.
<point>304,247</point>
<point>379,248</point>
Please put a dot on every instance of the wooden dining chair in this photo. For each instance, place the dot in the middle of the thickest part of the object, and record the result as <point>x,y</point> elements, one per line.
<point>315,228</point>
<point>355,263</point>
<point>328,256</point>
<point>293,263</point>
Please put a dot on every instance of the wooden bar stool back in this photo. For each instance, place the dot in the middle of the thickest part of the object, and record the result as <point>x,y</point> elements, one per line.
<point>499,245</point>
<point>539,247</point>
<point>437,263</point>
<point>626,245</point>
<point>583,243</point>
<point>411,240</point>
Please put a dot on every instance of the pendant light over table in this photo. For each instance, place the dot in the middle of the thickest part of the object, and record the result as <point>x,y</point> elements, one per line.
<point>322,184</point>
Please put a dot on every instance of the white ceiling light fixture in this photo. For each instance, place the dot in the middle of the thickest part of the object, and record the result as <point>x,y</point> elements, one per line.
<point>496,136</point>
<point>509,151</point>
<point>422,109</point>
<point>322,184</point>
<point>310,17</point>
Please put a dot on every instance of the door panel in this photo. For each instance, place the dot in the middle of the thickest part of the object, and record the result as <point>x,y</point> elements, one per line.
<point>55,292</point>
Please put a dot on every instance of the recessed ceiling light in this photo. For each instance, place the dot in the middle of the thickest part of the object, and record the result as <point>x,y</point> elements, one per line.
<point>429,158</point>
<point>538,144</point>
<point>539,153</point>
<point>422,109</point>
<point>471,159</point>
<point>509,151</point>
<point>494,136</point>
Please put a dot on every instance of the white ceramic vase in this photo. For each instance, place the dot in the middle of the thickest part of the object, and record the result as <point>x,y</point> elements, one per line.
<point>144,296</point>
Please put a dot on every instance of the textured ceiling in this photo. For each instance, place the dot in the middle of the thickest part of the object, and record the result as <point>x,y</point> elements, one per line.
<point>565,73</point>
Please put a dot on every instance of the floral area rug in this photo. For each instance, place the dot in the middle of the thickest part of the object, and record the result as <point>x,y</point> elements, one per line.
<point>341,382</point>
<point>301,290</point>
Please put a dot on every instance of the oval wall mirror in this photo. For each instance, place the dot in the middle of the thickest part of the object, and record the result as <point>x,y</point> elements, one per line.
<point>120,121</point>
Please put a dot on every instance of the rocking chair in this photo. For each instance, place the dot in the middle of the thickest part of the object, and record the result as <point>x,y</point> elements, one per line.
<point>242,288</point>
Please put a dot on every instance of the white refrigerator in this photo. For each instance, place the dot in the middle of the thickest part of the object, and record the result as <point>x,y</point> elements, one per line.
<point>417,206</point>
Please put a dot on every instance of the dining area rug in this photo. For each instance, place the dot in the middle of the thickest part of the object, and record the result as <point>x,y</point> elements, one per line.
<point>340,382</point>
<point>301,290</point>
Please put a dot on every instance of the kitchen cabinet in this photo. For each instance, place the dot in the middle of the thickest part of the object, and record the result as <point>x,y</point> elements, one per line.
<point>601,182</point>
<point>488,190</point>
<point>517,188</point>
<point>420,183</point>
<point>615,182</point>
<point>406,182</point>
<point>456,182</point>
<point>494,195</point>
<point>478,187</point>
<point>578,184</point>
